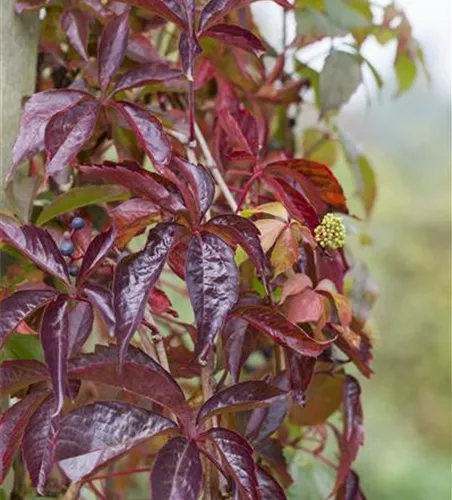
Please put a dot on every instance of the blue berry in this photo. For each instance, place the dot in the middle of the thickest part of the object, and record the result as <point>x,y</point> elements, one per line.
<point>73,270</point>
<point>67,247</point>
<point>78,223</point>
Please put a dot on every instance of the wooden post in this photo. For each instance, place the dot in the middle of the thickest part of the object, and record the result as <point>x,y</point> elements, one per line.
<point>18,58</point>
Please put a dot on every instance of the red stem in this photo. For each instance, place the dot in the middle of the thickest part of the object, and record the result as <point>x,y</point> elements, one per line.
<point>246,188</point>
<point>93,488</point>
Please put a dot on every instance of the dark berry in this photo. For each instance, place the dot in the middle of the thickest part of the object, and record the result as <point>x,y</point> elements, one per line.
<point>67,247</point>
<point>78,223</point>
<point>73,270</point>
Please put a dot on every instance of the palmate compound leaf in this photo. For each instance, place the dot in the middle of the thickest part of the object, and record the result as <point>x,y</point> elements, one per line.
<point>242,396</point>
<point>213,286</point>
<point>36,244</point>
<point>18,306</point>
<point>177,471</point>
<point>93,435</point>
<point>135,275</point>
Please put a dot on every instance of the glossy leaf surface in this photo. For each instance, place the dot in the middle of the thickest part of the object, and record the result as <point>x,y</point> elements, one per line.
<point>97,250</point>
<point>80,325</point>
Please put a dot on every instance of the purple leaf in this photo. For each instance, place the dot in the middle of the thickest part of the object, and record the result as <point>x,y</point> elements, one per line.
<point>177,471</point>
<point>146,184</point>
<point>93,435</point>
<point>148,129</point>
<point>237,36</point>
<point>270,321</point>
<point>300,370</point>
<point>144,74</point>
<point>75,23</point>
<point>55,343</point>
<point>269,489</point>
<point>18,306</point>
<point>213,286</point>
<point>102,300</point>
<point>95,253</point>
<point>67,132</point>
<point>80,324</point>
<point>172,10</point>
<point>140,375</point>
<point>19,373</point>
<point>37,244</point>
<point>37,112</point>
<point>352,435</point>
<point>243,232</point>
<point>37,444</point>
<point>189,50</point>
<point>140,50</point>
<point>135,275</point>
<point>242,396</point>
<point>12,427</point>
<point>350,489</point>
<point>112,48</point>
<point>237,457</point>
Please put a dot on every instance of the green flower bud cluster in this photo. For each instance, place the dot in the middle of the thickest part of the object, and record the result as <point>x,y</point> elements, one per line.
<point>331,232</point>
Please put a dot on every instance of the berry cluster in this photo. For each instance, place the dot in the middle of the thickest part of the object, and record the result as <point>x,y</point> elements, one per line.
<point>67,246</point>
<point>330,233</point>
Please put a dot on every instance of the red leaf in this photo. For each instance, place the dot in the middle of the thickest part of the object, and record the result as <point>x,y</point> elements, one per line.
<point>357,346</point>
<point>189,50</point>
<point>38,110</point>
<point>237,36</point>
<point>177,471</point>
<point>270,321</point>
<point>93,435</point>
<point>75,23</point>
<point>172,10</point>
<point>67,132</point>
<point>80,323</point>
<point>160,302</point>
<point>130,175</point>
<point>18,306</point>
<point>97,250</point>
<point>37,244</point>
<point>55,343</point>
<point>240,397</point>
<point>148,129</point>
<point>102,300</point>
<point>37,444</point>
<point>300,370</point>
<point>20,373</point>
<point>237,457</point>
<point>241,128</point>
<point>352,435</point>
<point>213,286</point>
<point>13,423</point>
<point>135,275</point>
<point>146,73</point>
<point>112,48</point>
<point>140,375</point>
<point>268,487</point>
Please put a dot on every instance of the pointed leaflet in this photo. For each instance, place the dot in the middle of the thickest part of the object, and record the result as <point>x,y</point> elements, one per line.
<point>95,253</point>
<point>12,427</point>
<point>140,375</point>
<point>148,129</point>
<point>177,471</point>
<point>18,306</point>
<point>172,10</point>
<point>239,397</point>
<point>144,74</point>
<point>236,36</point>
<point>67,132</point>
<point>269,489</point>
<point>55,343</point>
<point>237,457</point>
<point>20,373</point>
<point>89,437</point>
<point>37,244</point>
<point>130,175</point>
<point>37,112</point>
<point>112,48</point>
<point>213,286</point>
<point>135,275</point>
<point>352,435</point>
<point>270,321</point>
<point>80,323</point>
<point>101,298</point>
<point>37,444</point>
<point>300,370</point>
<point>75,23</point>
<point>243,232</point>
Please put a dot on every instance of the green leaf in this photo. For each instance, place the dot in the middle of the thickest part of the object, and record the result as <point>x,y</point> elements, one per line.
<point>339,79</point>
<point>344,16</point>
<point>317,146</point>
<point>20,346</point>
<point>311,22</point>
<point>21,194</point>
<point>405,69</point>
<point>82,197</point>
